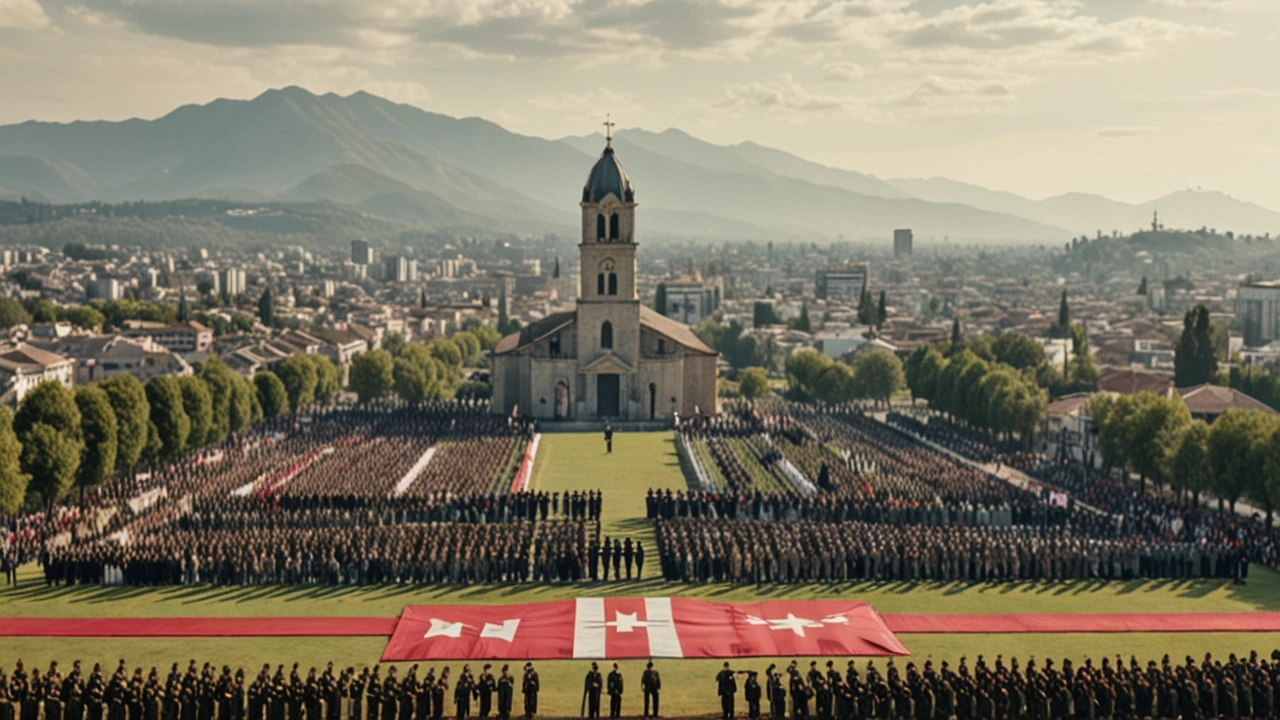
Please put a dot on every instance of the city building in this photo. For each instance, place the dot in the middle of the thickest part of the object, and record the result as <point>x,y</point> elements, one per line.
<point>361,253</point>
<point>842,282</point>
<point>611,357</point>
<point>902,242</point>
<point>22,367</point>
<point>99,357</point>
<point>690,300</point>
<point>104,289</point>
<point>1258,312</point>
<point>231,282</point>
<point>400,269</point>
<point>182,338</point>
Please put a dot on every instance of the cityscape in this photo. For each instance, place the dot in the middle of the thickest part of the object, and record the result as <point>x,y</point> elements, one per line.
<point>834,360</point>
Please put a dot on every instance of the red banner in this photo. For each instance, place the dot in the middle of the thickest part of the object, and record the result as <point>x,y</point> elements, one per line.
<point>621,628</point>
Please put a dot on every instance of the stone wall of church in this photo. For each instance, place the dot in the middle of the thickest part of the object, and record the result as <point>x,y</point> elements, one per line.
<point>699,385</point>
<point>667,377</point>
<point>544,375</point>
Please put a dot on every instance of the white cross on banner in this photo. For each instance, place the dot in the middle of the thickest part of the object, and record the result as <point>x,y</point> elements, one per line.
<point>621,628</point>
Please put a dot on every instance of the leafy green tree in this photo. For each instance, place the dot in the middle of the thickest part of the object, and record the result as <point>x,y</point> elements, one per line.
<point>13,313</point>
<point>1142,286</point>
<point>328,384</point>
<point>243,409</point>
<point>753,383</point>
<point>965,381</point>
<point>878,375</point>
<point>198,405</point>
<point>1268,483</point>
<point>469,346</point>
<point>129,404</point>
<point>803,369</point>
<point>835,384</point>
<point>84,316</point>
<point>1153,434</point>
<point>659,295</point>
<point>1235,440</point>
<point>1189,470</point>
<point>101,433</point>
<point>487,336</point>
<point>169,415</point>
<point>931,369</point>
<point>882,309</point>
<point>272,395</point>
<point>218,380</point>
<point>1194,362</point>
<point>446,352</point>
<point>51,459</point>
<point>802,322</point>
<point>1018,351</point>
<point>153,449</point>
<point>267,308</point>
<point>866,308</point>
<point>1064,312</point>
<point>410,380</point>
<point>42,310</point>
<point>13,481</point>
<point>370,375</point>
<point>957,336</point>
<point>50,456</point>
<point>300,378</point>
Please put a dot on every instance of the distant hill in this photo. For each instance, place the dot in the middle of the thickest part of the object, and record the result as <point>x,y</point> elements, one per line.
<point>435,171</point>
<point>1087,214</point>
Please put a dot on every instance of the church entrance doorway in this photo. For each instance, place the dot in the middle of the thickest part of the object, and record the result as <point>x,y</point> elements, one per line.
<point>607,389</point>
<point>653,401</point>
<point>562,400</point>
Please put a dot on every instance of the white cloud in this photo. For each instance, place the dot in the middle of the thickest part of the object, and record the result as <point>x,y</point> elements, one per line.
<point>1123,131</point>
<point>782,93</point>
<point>22,15</point>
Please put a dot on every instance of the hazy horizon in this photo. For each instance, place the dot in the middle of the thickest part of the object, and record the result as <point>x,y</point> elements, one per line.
<point>1129,99</point>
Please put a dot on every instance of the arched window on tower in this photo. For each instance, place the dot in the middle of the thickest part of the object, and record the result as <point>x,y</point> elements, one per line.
<point>600,227</point>
<point>613,226</point>
<point>600,284</point>
<point>606,335</point>
<point>613,283</point>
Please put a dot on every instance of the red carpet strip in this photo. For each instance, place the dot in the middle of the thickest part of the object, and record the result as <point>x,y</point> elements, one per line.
<point>383,627</point>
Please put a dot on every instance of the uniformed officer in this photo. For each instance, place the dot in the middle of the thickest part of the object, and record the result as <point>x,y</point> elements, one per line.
<point>615,692</point>
<point>726,688</point>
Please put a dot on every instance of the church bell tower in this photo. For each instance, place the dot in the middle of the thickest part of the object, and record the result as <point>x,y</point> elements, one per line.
<point>608,304</point>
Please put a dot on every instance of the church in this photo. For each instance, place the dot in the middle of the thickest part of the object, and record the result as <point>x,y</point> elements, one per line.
<point>611,357</point>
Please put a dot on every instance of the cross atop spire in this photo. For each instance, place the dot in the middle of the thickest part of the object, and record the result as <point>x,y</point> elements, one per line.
<point>608,129</point>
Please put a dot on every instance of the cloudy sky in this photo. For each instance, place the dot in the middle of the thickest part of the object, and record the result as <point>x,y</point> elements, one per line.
<point>1128,98</point>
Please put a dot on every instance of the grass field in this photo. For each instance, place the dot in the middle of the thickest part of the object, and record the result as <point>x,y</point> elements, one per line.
<point>639,461</point>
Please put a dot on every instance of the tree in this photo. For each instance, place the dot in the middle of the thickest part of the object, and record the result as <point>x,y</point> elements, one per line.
<point>327,382</point>
<point>882,310</point>
<point>132,411</point>
<point>48,426</point>
<point>1189,469</point>
<point>218,380</point>
<point>169,415</point>
<point>1236,440</point>
<point>1018,351</point>
<point>803,370</point>
<point>1155,427</point>
<point>370,376</point>
<point>13,313</point>
<point>957,337</point>
<point>243,409</point>
<point>272,395</point>
<point>1194,362</point>
<point>878,375</point>
<point>198,405</point>
<point>410,380</point>
<point>866,308</point>
<point>1268,484</point>
<point>300,379</point>
<point>84,316</point>
<point>911,369</point>
<point>835,384</point>
<point>422,299</point>
<point>802,322</point>
<point>1142,286</point>
<point>51,459</point>
<point>753,382</point>
<point>555,273</point>
<point>266,308</point>
<point>1064,313</point>
<point>99,429</point>
<point>13,481</point>
<point>659,298</point>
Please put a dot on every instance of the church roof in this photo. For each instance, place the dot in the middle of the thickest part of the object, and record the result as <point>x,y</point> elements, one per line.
<point>673,329</point>
<point>607,178</point>
<point>534,331</point>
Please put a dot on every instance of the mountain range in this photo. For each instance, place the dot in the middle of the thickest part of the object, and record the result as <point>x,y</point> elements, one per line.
<point>430,170</point>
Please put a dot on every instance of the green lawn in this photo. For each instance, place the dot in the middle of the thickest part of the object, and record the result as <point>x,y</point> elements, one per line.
<point>639,461</point>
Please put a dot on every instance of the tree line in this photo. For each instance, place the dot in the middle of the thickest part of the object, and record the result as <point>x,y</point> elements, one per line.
<point>874,375</point>
<point>1153,436</point>
<point>415,372</point>
<point>1001,395</point>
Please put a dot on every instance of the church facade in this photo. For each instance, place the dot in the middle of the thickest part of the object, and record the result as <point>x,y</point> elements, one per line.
<point>611,357</point>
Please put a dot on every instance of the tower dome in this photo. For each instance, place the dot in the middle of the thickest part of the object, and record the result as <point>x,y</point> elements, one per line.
<point>607,177</point>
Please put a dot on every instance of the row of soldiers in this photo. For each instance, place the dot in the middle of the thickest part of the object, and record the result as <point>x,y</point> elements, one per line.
<point>1209,690</point>
<point>751,551</point>
<point>207,695</point>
